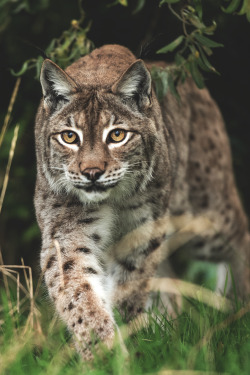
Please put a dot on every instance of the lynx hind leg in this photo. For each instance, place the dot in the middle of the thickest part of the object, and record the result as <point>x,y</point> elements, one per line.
<point>232,254</point>
<point>165,301</point>
<point>76,284</point>
<point>239,262</point>
<point>233,257</point>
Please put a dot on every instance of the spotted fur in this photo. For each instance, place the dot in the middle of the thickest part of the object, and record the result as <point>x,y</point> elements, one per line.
<point>111,214</point>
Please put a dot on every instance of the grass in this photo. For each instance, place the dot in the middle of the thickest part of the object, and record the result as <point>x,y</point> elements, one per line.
<point>13,143</point>
<point>200,340</point>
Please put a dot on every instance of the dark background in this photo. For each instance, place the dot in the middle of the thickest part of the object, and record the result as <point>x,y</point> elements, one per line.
<point>152,28</point>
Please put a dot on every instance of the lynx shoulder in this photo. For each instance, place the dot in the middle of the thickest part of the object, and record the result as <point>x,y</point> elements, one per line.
<point>123,181</point>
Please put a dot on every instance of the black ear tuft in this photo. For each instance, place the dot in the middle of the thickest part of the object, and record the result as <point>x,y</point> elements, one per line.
<point>135,84</point>
<point>57,86</point>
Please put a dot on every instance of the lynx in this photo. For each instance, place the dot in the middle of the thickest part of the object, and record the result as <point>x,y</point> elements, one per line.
<point>119,175</point>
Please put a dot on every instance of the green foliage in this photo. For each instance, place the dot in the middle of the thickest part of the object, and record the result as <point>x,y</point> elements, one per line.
<point>121,2</point>
<point>139,6</point>
<point>245,10</point>
<point>232,7</point>
<point>192,48</point>
<point>70,46</point>
<point>200,339</point>
<point>172,46</point>
<point>161,81</point>
<point>239,7</point>
<point>39,21</point>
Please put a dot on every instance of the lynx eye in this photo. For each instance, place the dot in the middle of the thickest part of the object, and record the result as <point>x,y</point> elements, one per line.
<point>69,137</point>
<point>117,135</point>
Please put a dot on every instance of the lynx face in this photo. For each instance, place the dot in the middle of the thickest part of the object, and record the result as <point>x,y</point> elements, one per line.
<point>98,142</point>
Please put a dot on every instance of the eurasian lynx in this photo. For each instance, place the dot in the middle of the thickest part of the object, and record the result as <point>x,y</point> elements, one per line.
<point>117,173</point>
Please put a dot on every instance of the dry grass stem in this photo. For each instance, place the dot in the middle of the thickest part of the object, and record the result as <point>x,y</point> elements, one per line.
<point>10,272</point>
<point>52,323</point>
<point>6,177</point>
<point>29,283</point>
<point>39,283</point>
<point>5,279</point>
<point>7,117</point>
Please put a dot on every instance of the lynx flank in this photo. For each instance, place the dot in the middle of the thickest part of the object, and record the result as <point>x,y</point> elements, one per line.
<point>122,182</point>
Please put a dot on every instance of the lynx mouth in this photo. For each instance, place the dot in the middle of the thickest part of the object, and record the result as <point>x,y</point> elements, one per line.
<point>94,188</point>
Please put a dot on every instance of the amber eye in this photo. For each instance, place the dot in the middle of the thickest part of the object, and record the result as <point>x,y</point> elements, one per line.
<point>69,137</point>
<point>117,135</point>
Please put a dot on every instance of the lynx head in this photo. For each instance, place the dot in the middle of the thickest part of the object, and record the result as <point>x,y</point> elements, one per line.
<point>95,130</point>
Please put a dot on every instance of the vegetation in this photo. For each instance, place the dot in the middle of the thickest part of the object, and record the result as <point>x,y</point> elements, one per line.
<point>192,47</point>
<point>202,339</point>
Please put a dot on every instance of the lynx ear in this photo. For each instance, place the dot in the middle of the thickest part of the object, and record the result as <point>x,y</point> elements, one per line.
<point>57,86</point>
<point>135,85</point>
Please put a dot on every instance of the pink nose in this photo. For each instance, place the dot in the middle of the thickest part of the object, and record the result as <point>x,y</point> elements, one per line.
<point>92,174</point>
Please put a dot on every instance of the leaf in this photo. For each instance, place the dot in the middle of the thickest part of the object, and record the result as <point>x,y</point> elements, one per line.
<point>208,50</point>
<point>201,59</point>
<point>23,6</point>
<point>206,62</point>
<point>202,65</point>
<point>198,8</point>
<point>206,41</point>
<point>140,4</point>
<point>39,62</point>
<point>210,29</point>
<point>245,9</point>
<point>172,87</point>
<point>195,21</point>
<point>23,69</point>
<point>160,78</point>
<point>168,2</point>
<point>179,59</point>
<point>171,46</point>
<point>232,6</point>
<point>123,2</point>
<point>196,74</point>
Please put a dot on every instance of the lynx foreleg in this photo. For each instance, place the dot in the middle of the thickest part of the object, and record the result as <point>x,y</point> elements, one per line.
<point>80,291</point>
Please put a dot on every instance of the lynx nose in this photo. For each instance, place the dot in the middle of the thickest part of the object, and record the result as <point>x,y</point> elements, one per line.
<point>92,174</point>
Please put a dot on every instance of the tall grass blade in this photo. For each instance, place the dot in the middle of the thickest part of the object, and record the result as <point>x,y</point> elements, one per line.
<point>7,117</point>
<point>6,177</point>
